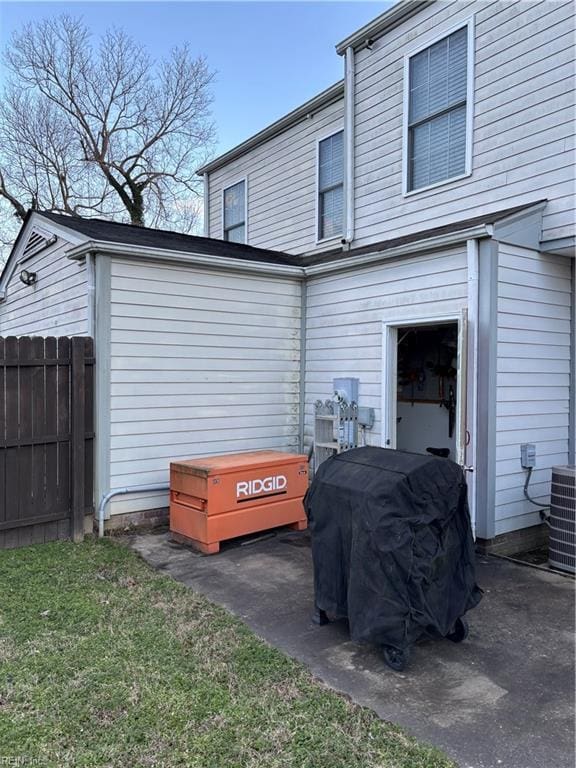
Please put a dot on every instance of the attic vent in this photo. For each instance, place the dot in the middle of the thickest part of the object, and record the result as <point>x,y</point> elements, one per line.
<point>37,241</point>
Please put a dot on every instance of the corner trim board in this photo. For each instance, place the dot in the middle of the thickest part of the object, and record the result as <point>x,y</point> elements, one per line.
<point>103,389</point>
<point>572,391</point>
<point>486,392</point>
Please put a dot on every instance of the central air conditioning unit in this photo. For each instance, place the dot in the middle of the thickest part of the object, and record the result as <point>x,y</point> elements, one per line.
<point>562,520</point>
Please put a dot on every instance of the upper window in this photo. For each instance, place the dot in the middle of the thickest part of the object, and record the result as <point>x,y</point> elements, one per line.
<point>235,213</point>
<point>437,111</point>
<point>331,186</point>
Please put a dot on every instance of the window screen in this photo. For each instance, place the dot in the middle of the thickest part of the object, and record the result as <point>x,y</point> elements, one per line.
<point>235,213</point>
<point>437,111</point>
<point>331,186</point>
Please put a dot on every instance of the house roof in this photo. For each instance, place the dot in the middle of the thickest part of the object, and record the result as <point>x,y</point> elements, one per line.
<point>101,231</point>
<point>325,98</point>
<point>425,234</point>
<point>113,232</point>
<point>98,235</point>
<point>383,23</point>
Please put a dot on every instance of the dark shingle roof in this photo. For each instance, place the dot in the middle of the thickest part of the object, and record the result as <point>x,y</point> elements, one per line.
<point>414,237</point>
<point>114,232</point>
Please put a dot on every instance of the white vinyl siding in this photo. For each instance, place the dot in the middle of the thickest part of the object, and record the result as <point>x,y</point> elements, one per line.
<point>331,186</point>
<point>533,378</point>
<point>234,212</point>
<point>282,185</point>
<point>523,127</point>
<point>437,89</point>
<point>201,363</point>
<point>56,305</point>
<point>344,320</point>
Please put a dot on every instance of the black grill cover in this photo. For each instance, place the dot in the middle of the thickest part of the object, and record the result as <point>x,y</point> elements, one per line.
<point>392,544</point>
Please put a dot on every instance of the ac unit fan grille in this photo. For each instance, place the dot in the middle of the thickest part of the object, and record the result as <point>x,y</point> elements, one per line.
<point>562,548</point>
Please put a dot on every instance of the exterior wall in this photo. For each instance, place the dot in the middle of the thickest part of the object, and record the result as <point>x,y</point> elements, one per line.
<point>345,313</point>
<point>201,363</point>
<point>533,377</point>
<point>56,305</point>
<point>522,147</point>
<point>523,119</point>
<point>281,185</point>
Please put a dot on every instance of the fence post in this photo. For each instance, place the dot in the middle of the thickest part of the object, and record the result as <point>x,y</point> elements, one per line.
<point>78,404</point>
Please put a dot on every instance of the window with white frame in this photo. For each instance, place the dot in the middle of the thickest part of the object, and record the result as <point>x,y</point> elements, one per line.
<point>235,212</point>
<point>331,186</point>
<point>437,111</point>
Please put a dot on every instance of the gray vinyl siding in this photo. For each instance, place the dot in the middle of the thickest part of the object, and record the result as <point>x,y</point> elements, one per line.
<point>523,140</point>
<point>202,362</point>
<point>345,313</point>
<point>533,377</point>
<point>56,305</point>
<point>281,185</point>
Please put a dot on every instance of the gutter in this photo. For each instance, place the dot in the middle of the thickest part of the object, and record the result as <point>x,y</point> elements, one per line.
<point>304,111</point>
<point>381,24</point>
<point>412,248</point>
<point>184,257</point>
<point>294,272</point>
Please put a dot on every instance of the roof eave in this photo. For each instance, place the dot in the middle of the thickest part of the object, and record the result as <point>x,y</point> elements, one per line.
<point>139,252</point>
<point>320,101</point>
<point>411,248</point>
<point>396,15</point>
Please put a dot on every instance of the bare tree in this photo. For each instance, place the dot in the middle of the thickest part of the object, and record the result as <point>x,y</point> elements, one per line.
<point>106,131</point>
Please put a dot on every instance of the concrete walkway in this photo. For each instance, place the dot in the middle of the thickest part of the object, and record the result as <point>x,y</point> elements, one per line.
<point>502,699</point>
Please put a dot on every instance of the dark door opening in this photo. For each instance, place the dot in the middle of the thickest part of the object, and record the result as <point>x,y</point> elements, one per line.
<point>426,407</point>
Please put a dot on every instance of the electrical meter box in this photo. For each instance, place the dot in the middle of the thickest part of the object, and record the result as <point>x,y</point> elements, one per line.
<point>528,455</point>
<point>221,497</point>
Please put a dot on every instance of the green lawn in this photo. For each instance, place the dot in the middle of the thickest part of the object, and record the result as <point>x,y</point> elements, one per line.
<point>104,662</point>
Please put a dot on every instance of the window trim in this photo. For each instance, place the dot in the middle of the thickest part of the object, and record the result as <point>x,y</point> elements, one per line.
<point>224,189</point>
<point>469,23</point>
<point>319,139</point>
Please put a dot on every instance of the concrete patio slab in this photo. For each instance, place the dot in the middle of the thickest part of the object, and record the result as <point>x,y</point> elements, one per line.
<point>502,699</point>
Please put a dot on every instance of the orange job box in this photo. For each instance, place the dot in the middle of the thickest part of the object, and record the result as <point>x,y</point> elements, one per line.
<point>221,497</point>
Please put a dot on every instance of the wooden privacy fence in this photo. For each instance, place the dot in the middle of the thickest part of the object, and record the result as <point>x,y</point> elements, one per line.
<point>46,438</point>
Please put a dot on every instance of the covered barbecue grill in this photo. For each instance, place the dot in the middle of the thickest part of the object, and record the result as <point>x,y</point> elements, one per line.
<point>392,547</point>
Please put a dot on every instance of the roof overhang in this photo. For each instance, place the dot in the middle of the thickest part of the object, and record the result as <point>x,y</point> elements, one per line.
<point>413,248</point>
<point>125,250</point>
<point>303,112</point>
<point>338,263</point>
<point>520,226</point>
<point>381,24</point>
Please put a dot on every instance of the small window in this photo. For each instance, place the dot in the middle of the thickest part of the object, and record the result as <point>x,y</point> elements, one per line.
<point>235,213</point>
<point>437,109</point>
<point>331,186</point>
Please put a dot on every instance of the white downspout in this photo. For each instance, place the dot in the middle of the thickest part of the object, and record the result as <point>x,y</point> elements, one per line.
<point>473,264</point>
<point>349,99</point>
<point>206,201</point>
<point>90,295</point>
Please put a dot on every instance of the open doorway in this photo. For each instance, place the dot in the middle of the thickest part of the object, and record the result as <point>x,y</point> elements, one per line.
<point>427,389</point>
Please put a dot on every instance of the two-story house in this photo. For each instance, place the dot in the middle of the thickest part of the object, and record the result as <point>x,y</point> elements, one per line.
<point>431,195</point>
<point>411,227</point>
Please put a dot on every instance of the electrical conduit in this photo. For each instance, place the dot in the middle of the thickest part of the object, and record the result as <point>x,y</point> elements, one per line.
<point>120,492</point>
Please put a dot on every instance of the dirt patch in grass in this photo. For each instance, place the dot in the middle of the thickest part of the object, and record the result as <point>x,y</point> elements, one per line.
<point>104,662</point>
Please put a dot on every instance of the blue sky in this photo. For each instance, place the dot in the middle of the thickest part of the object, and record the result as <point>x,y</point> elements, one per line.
<point>269,56</point>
